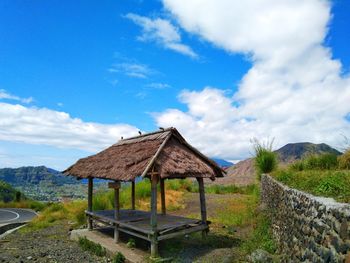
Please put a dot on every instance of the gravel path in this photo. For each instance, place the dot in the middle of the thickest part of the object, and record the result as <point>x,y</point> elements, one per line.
<point>47,245</point>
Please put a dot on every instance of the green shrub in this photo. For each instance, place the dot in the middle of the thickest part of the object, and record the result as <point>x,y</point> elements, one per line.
<point>265,158</point>
<point>344,160</point>
<point>94,248</point>
<point>131,243</point>
<point>119,258</point>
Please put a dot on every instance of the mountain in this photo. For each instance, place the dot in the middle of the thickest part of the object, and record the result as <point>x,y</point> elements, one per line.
<point>222,163</point>
<point>243,172</point>
<point>30,175</point>
<point>296,151</point>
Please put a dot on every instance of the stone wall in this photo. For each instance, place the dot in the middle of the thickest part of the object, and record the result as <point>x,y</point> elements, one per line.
<point>307,228</point>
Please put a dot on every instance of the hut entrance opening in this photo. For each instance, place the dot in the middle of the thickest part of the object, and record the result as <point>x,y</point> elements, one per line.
<point>159,156</point>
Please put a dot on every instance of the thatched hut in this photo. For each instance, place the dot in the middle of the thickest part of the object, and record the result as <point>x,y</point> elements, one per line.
<point>159,155</point>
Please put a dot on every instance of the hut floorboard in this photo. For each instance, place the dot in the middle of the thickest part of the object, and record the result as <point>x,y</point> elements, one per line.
<point>141,220</point>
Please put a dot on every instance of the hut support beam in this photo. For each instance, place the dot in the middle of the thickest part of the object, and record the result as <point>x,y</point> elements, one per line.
<point>116,187</point>
<point>162,195</point>
<point>133,195</point>
<point>202,203</point>
<point>154,238</point>
<point>90,191</point>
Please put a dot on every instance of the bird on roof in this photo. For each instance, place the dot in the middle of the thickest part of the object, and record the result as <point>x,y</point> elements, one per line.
<point>161,128</point>
<point>140,132</point>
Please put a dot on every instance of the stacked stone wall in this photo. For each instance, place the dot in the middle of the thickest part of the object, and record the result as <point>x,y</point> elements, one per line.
<point>307,228</point>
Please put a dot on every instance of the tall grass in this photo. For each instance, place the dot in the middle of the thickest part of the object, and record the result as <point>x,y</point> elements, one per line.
<point>261,237</point>
<point>104,200</point>
<point>326,161</point>
<point>328,183</point>
<point>344,160</point>
<point>265,159</point>
<point>73,211</point>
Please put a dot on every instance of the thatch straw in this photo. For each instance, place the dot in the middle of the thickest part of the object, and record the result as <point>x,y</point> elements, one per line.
<point>129,158</point>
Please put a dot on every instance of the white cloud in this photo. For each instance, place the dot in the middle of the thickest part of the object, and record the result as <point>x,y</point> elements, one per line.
<point>48,127</point>
<point>134,70</point>
<point>5,95</point>
<point>158,85</point>
<point>294,90</point>
<point>162,32</point>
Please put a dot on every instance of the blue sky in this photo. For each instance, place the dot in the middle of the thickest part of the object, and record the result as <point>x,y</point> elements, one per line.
<point>134,65</point>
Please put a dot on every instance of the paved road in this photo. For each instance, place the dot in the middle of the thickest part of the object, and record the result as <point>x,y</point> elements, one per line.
<point>15,215</point>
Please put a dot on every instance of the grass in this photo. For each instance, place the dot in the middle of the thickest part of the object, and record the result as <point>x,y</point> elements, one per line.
<point>236,212</point>
<point>55,212</point>
<point>118,258</point>
<point>325,175</point>
<point>261,236</point>
<point>231,189</point>
<point>105,200</point>
<point>240,210</point>
<point>35,205</point>
<point>344,160</point>
<point>326,161</point>
<point>327,183</point>
<point>265,159</point>
<point>92,247</point>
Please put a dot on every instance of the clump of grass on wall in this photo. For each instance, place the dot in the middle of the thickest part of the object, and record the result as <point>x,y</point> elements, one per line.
<point>265,159</point>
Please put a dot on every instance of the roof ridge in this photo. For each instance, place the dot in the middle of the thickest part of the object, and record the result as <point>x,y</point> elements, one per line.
<point>148,134</point>
<point>155,156</point>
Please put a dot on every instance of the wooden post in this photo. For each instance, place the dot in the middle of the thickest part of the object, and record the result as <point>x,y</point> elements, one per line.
<point>133,195</point>
<point>116,210</point>
<point>154,238</point>
<point>90,191</point>
<point>162,196</point>
<point>203,205</point>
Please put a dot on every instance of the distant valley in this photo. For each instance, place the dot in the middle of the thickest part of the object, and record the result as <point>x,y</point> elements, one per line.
<point>42,183</point>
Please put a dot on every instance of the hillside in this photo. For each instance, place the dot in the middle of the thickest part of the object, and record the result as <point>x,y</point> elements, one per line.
<point>34,175</point>
<point>243,172</point>
<point>7,192</point>
<point>42,183</point>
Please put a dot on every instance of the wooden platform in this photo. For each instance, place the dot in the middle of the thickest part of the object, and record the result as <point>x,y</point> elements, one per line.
<point>137,223</point>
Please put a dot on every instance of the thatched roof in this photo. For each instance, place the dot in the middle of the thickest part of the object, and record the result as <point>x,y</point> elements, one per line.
<point>165,151</point>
